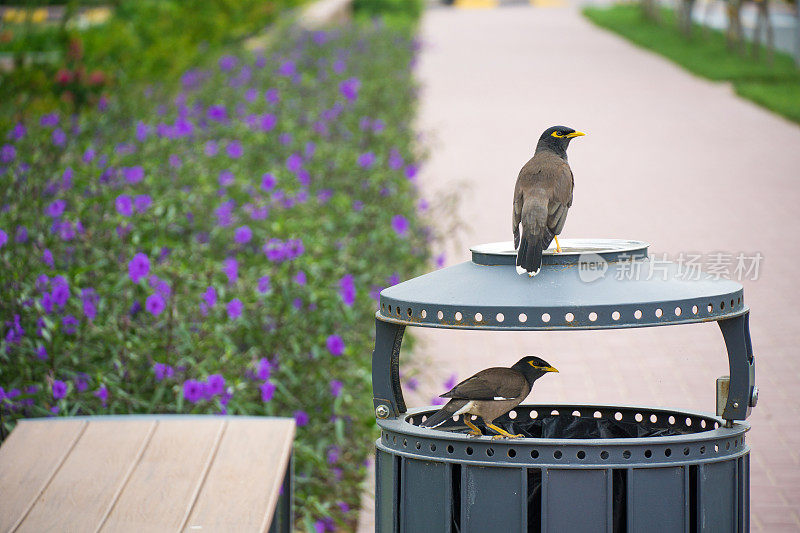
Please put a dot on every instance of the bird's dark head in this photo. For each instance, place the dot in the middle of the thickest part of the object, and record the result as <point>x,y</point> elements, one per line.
<point>557,139</point>
<point>533,367</point>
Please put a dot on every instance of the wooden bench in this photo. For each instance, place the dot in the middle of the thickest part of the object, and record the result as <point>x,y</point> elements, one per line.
<point>147,473</point>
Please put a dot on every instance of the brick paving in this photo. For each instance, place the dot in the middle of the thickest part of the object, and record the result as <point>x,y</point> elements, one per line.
<point>669,158</point>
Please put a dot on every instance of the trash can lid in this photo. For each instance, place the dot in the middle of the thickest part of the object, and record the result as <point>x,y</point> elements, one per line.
<point>590,284</point>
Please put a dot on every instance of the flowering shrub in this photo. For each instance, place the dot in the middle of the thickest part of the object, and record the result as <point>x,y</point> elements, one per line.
<point>219,250</point>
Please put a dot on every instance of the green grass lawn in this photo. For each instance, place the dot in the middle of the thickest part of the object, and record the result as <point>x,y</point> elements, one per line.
<point>776,86</point>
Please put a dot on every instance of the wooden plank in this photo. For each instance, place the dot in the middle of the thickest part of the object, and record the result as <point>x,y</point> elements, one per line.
<point>29,458</point>
<point>241,490</point>
<point>162,487</point>
<point>79,495</point>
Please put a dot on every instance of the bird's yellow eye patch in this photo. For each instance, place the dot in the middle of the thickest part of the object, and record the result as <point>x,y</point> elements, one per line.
<point>558,135</point>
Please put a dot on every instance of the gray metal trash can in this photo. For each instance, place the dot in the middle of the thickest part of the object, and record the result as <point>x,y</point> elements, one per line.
<point>579,467</point>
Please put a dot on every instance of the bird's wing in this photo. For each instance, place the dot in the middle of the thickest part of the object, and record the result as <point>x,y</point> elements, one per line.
<point>561,199</point>
<point>490,384</point>
<point>516,216</point>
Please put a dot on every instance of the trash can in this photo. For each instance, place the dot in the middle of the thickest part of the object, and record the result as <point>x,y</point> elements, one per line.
<point>579,467</point>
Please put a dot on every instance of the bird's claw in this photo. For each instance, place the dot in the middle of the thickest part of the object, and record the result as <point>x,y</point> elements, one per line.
<point>517,436</point>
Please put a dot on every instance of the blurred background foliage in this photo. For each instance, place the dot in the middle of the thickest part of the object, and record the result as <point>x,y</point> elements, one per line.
<point>199,228</point>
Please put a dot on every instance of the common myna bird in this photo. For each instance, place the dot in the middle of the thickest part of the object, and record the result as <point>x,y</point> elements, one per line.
<point>542,197</point>
<point>491,393</point>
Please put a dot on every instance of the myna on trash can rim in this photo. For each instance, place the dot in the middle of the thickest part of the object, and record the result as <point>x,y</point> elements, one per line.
<point>542,197</point>
<point>491,393</point>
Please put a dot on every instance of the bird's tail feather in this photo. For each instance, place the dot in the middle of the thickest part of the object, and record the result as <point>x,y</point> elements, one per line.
<point>529,255</point>
<point>439,417</point>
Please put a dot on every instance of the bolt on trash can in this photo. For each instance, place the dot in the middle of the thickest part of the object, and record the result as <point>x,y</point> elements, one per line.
<point>580,468</point>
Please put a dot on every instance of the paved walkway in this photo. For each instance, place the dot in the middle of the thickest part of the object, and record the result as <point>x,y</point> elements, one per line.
<point>669,158</point>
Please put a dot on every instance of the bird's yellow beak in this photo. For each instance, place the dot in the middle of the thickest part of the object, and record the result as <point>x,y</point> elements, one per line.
<point>569,136</point>
<point>548,368</point>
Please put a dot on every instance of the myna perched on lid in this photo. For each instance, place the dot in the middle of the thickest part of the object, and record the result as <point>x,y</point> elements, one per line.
<point>542,197</point>
<point>491,393</point>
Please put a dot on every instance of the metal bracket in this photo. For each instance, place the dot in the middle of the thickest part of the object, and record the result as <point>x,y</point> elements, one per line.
<point>386,389</point>
<point>742,393</point>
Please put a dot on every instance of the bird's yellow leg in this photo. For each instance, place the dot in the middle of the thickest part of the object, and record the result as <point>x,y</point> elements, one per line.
<point>503,432</point>
<point>558,246</point>
<point>475,431</point>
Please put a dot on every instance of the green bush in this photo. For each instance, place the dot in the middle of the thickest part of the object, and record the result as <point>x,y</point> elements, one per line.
<point>402,10</point>
<point>219,251</point>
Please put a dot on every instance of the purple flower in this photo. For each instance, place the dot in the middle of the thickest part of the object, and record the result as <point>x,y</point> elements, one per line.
<point>3,238</point>
<point>343,507</point>
<point>133,175</point>
<point>89,299</point>
<point>300,278</point>
<point>333,455</point>
<point>102,394</point>
<point>163,371</point>
<point>395,160</point>
<point>18,132</point>
<point>142,202</point>
<point>349,88</point>
<point>347,290</point>
<point>217,113</point>
<point>234,149</point>
<point>335,345</point>
<point>366,160</point>
<point>440,260</point>
<point>263,284</point>
<point>268,122</point>
<point>267,391</point>
<point>264,368</point>
<point>287,68</point>
<point>235,307</point>
<point>7,153</point>
<point>226,178</point>
<point>272,96</point>
<point>216,384</point>
<point>336,387</point>
<point>227,63</point>
<point>81,382</point>
<point>60,292</point>
<point>210,296</point>
<point>451,382</point>
<point>49,120</point>
<point>56,208</point>
<point>268,182</point>
<point>411,172</point>
<point>275,250</point>
<point>301,418</point>
<point>400,225</point>
<point>70,324</point>
<point>124,205</point>
<point>294,162</point>
<point>230,267</point>
<point>59,389</point>
<point>41,353</point>
<point>47,258</point>
<point>192,390</point>
<point>210,148</point>
<point>412,384</point>
<point>138,267</point>
<point>155,304</point>
<point>243,234</point>
<point>59,137</point>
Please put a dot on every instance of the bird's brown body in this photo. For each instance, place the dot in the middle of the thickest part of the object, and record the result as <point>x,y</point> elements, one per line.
<point>491,393</point>
<point>542,198</point>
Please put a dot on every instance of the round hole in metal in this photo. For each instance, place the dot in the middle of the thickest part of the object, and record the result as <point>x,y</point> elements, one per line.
<point>534,454</point>
<point>433,447</point>
<point>449,448</point>
<point>418,445</point>
<point>710,308</point>
<point>576,413</point>
<point>703,424</point>
<point>581,454</point>
<point>468,450</point>
<point>702,450</point>
<point>459,316</point>
<point>638,417</point>
<point>592,316</point>
<point>689,422</point>
<point>618,415</point>
<point>626,454</point>
<point>390,309</point>
<point>489,452</point>
<point>569,317</point>
<point>500,317</point>
<point>554,412</point>
<point>694,309</point>
<point>557,454</point>
<point>405,443</point>
<point>604,455</point>
<point>659,313</point>
<point>546,317</point>
<point>511,452</point>
<point>716,448</point>
<point>424,314</point>
<point>478,317</point>
<point>721,306</point>
<point>686,451</point>
<point>653,419</point>
<point>678,311</point>
<point>615,315</point>
<point>512,415</point>
<point>410,313</point>
<point>598,414</point>
<point>667,452</point>
<point>648,454</point>
<point>523,317</point>
<point>637,314</point>
<point>440,315</point>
